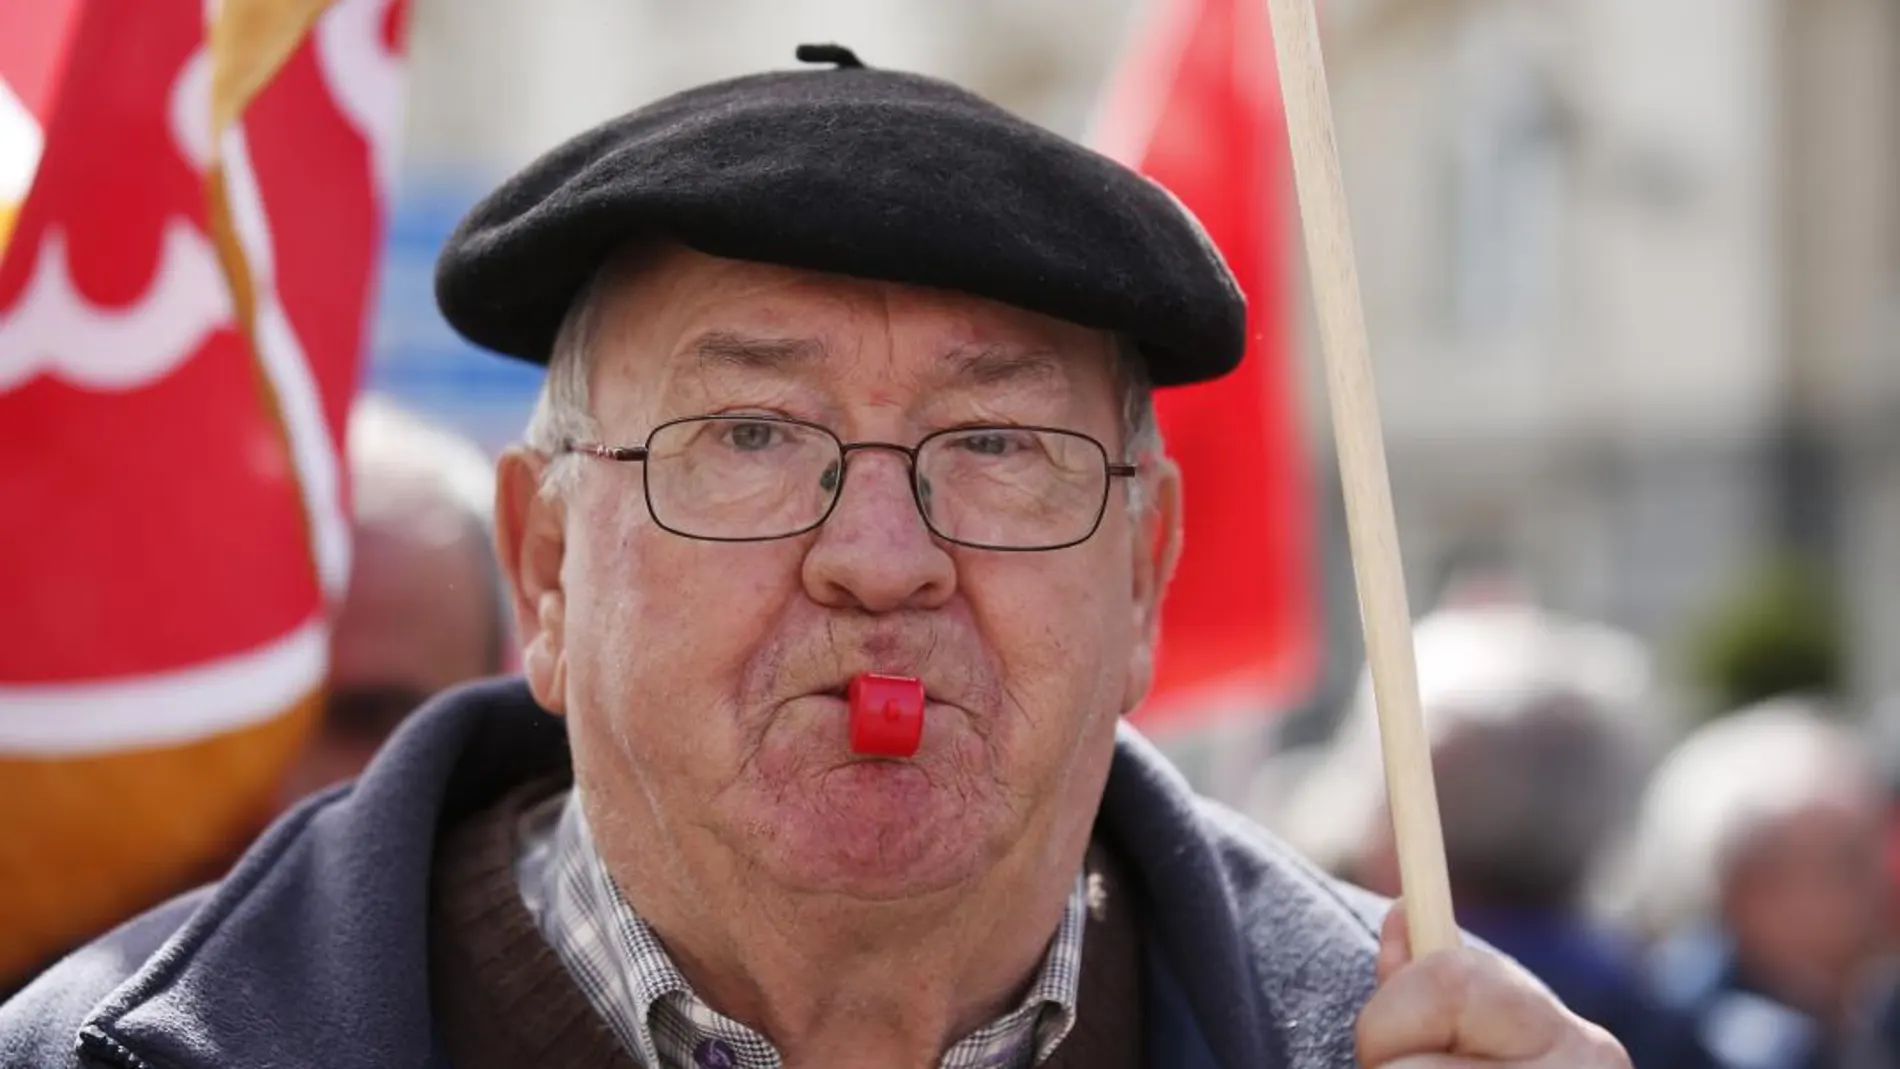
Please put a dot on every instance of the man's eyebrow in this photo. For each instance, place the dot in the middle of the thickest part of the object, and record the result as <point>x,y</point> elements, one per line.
<point>728,349</point>
<point>988,365</point>
<point>978,365</point>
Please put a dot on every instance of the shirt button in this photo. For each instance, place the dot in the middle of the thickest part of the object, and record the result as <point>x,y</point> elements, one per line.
<point>713,1054</point>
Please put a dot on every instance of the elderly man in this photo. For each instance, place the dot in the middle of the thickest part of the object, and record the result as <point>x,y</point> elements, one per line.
<point>424,609</point>
<point>848,374</point>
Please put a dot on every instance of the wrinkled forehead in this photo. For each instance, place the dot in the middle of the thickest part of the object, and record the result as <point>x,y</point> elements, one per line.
<point>675,323</point>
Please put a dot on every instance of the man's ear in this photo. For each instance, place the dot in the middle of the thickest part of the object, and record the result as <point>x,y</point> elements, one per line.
<point>530,535</point>
<point>1157,548</point>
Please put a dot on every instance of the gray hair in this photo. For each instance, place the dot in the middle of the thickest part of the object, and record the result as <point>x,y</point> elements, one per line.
<point>1723,786</point>
<point>410,472</point>
<point>563,412</point>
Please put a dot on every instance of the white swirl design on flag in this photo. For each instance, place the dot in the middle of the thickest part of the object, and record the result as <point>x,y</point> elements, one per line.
<point>54,330</point>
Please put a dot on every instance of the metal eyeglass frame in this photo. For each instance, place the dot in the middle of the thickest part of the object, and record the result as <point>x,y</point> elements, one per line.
<point>639,453</point>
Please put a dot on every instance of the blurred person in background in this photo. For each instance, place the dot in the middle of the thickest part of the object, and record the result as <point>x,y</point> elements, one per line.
<point>1542,730</point>
<point>425,607</point>
<point>1759,863</point>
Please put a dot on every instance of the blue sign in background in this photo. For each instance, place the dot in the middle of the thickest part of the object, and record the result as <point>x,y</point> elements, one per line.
<point>415,358</point>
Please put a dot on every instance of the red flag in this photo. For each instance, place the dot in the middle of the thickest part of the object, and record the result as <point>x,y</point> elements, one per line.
<point>173,396</point>
<point>1196,107</point>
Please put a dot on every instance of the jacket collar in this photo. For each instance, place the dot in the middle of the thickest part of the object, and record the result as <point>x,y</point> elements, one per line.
<point>319,933</point>
<point>1272,958</point>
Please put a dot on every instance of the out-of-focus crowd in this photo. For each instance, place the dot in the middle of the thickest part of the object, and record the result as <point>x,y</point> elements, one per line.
<point>1716,894</point>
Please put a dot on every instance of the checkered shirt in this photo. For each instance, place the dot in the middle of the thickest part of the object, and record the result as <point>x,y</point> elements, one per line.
<point>631,981</point>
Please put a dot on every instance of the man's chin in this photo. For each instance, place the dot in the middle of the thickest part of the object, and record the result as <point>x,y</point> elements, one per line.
<point>875,830</point>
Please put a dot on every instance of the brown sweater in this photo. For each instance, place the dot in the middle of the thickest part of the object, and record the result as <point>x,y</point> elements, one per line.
<point>503,1000</point>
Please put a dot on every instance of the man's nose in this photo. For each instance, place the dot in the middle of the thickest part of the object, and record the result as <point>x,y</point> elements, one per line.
<point>875,553</point>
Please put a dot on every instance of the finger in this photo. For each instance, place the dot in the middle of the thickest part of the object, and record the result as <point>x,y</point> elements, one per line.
<point>1395,943</point>
<point>1587,1048</point>
<point>1600,1057</point>
<point>1462,1001</point>
<point>1426,1061</point>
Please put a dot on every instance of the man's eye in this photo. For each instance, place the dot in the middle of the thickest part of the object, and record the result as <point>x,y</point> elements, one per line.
<point>989,443</point>
<point>753,437</point>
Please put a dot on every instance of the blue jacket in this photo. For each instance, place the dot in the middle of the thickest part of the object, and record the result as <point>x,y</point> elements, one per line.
<point>1698,974</point>
<point>312,952</point>
<point>1599,977</point>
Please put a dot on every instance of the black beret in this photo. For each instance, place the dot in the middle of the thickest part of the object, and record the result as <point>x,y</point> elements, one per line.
<point>870,173</point>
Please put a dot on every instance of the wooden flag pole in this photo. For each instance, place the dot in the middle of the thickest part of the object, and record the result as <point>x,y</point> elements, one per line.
<point>1371,528</point>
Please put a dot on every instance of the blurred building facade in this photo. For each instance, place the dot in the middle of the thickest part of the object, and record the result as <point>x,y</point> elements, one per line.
<point>1632,272</point>
<point>1631,267</point>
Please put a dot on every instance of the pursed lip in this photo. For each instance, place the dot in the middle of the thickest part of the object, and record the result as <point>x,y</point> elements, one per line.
<point>839,692</point>
<point>843,697</point>
<point>841,687</point>
<point>948,703</point>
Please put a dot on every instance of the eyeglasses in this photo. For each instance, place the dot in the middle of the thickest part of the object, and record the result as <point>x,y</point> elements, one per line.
<point>759,478</point>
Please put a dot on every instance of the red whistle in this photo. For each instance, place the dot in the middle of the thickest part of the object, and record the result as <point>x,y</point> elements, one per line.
<point>887,715</point>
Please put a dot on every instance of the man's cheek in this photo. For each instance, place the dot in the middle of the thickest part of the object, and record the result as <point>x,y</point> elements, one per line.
<point>1063,669</point>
